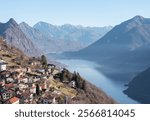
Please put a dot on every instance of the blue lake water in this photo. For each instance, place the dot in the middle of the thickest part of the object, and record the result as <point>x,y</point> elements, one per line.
<point>88,71</point>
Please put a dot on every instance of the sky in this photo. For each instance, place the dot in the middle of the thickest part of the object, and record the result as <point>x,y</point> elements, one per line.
<point>76,12</point>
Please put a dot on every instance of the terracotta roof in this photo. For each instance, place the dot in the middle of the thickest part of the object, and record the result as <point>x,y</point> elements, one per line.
<point>1,83</point>
<point>9,85</point>
<point>13,100</point>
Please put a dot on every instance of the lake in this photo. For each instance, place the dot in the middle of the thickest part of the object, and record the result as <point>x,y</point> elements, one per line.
<point>87,70</point>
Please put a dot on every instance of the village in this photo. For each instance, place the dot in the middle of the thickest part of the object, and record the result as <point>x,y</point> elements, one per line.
<point>31,80</point>
<point>33,85</point>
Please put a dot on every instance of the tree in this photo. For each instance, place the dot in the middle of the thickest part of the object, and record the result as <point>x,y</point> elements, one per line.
<point>37,89</point>
<point>65,75</point>
<point>80,83</point>
<point>44,61</point>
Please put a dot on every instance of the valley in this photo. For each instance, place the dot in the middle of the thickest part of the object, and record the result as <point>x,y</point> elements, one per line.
<point>123,53</point>
<point>113,59</point>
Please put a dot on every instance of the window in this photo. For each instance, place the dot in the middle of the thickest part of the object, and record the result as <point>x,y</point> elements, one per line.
<point>6,96</point>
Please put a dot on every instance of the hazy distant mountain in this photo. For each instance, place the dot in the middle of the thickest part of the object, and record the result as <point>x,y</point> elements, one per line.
<point>128,36</point>
<point>48,44</point>
<point>138,88</point>
<point>36,36</point>
<point>14,36</point>
<point>67,32</point>
<point>125,50</point>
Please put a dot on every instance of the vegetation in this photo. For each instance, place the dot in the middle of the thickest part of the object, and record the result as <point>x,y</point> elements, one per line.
<point>66,76</point>
<point>80,82</point>
<point>37,89</point>
<point>44,61</point>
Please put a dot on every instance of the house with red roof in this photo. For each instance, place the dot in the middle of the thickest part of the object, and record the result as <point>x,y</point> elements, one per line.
<point>14,100</point>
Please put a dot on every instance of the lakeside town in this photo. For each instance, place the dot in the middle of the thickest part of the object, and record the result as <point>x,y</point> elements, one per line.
<point>26,85</point>
<point>32,83</point>
<point>30,80</point>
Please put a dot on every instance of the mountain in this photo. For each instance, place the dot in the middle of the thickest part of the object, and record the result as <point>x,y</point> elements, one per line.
<point>36,36</point>
<point>15,37</point>
<point>46,43</point>
<point>67,32</point>
<point>138,88</point>
<point>128,36</point>
<point>123,51</point>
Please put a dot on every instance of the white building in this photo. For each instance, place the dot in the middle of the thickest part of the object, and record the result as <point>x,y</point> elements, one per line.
<point>33,89</point>
<point>3,65</point>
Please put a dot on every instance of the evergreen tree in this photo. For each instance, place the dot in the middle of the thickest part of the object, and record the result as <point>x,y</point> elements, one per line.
<point>80,83</point>
<point>37,89</point>
<point>43,61</point>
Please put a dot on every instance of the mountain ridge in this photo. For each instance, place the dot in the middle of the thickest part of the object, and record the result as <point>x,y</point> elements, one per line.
<point>46,43</point>
<point>14,36</point>
<point>123,49</point>
<point>85,35</point>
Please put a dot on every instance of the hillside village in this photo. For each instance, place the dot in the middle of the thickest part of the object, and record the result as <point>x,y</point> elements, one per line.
<point>30,80</point>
